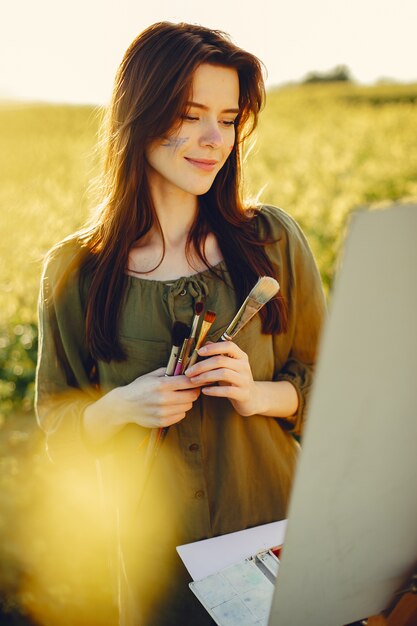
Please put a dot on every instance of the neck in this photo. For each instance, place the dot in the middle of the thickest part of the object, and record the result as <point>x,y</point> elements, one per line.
<point>176,211</point>
<point>175,225</point>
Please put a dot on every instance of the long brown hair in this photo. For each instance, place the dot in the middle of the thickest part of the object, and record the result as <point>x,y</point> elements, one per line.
<point>152,86</point>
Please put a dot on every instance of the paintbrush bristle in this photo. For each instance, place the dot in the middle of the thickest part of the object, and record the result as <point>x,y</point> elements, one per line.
<point>209,316</point>
<point>198,309</point>
<point>265,289</point>
<point>261,293</point>
<point>180,331</point>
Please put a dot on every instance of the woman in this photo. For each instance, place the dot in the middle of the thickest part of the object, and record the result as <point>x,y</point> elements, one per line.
<point>172,230</point>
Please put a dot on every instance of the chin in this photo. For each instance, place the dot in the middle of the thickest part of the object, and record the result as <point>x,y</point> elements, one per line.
<point>200,190</point>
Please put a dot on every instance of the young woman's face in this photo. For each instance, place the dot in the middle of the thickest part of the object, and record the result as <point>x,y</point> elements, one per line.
<point>189,158</point>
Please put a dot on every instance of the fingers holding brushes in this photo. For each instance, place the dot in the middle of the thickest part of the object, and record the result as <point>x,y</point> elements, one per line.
<point>225,373</point>
<point>225,365</point>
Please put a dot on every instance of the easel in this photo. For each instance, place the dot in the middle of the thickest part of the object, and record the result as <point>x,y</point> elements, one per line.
<point>351,540</point>
<point>404,613</point>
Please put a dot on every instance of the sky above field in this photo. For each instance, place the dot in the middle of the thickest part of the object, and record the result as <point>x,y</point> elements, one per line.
<point>69,52</point>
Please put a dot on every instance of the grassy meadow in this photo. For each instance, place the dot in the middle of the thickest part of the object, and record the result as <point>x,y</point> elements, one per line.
<point>321,152</point>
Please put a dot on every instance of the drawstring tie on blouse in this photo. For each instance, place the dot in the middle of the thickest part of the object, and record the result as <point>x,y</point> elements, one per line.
<point>195,286</point>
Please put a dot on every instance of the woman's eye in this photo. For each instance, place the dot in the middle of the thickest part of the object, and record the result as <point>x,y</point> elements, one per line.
<point>190,118</point>
<point>228,122</point>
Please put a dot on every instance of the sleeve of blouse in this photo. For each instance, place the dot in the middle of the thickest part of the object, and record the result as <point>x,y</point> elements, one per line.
<point>63,389</point>
<point>302,289</point>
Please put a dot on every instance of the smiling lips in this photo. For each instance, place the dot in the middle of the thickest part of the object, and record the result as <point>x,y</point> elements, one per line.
<point>204,164</point>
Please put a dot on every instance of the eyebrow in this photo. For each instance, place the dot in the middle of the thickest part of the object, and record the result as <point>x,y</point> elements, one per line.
<point>205,108</point>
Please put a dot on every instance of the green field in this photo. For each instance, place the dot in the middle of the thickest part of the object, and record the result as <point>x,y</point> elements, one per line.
<point>321,152</point>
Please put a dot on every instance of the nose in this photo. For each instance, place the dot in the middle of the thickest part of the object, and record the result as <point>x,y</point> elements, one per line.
<point>211,136</point>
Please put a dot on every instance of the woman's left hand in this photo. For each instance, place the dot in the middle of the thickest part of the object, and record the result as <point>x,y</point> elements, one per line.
<point>226,364</point>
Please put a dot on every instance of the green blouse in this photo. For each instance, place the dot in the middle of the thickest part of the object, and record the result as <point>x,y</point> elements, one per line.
<point>216,472</point>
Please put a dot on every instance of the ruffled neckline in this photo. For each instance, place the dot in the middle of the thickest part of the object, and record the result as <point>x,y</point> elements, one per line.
<point>207,273</point>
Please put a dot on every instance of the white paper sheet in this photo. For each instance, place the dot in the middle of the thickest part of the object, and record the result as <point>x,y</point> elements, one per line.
<point>203,558</point>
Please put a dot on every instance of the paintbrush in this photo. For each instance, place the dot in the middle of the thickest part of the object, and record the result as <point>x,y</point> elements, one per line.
<point>265,289</point>
<point>178,366</point>
<point>208,320</point>
<point>179,333</point>
<point>198,309</point>
<point>188,343</point>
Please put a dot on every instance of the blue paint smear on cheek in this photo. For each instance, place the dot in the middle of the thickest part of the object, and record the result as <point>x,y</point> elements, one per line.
<point>174,142</point>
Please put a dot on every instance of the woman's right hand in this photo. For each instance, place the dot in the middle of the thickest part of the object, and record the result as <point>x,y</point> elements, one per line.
<point>152,401</point>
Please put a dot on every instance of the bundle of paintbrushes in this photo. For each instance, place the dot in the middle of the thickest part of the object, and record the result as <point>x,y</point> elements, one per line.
<point>187,360</point>
<point>184,341</point>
